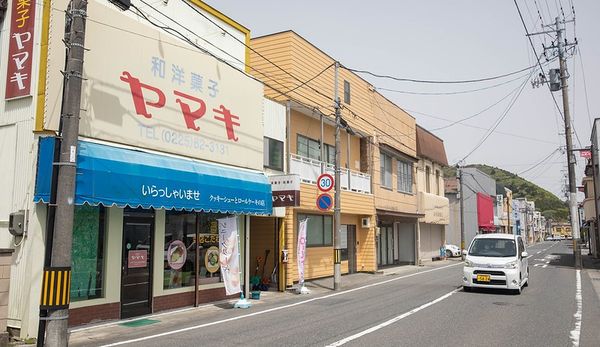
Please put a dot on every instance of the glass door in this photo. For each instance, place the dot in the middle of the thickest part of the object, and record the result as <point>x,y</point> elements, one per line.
<point>136,274</point>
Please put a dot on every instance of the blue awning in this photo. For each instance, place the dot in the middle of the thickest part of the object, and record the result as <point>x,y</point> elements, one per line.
<point>114,176</point>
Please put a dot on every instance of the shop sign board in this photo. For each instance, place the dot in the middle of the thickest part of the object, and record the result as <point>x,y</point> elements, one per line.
<point>20,49</point>
<point>147,89</point>
<point>137,258</point>
<point>587,154</point>
<point>286,190</point>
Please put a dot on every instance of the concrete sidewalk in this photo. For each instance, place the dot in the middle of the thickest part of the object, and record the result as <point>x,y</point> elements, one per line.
<point>168,320</point>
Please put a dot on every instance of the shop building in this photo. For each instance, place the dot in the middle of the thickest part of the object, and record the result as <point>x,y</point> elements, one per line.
<point>310,147</point>
<point>171,140</point>
<point>432,202</point>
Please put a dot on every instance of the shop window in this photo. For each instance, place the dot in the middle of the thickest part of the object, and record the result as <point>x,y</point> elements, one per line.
<point>308,148</point>
<point>273,154</point>
<point>179,259</point>
<point>88,253</point>
<point>385,162</point>
<point>182,229</point>
<point>208,247</point>
<point>319,230</point>
<point>405,177</point>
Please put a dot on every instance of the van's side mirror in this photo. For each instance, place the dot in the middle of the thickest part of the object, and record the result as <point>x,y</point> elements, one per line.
<point>464,252</point>
<point>524,254</point>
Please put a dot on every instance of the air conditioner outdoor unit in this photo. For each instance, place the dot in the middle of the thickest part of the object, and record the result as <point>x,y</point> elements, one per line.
<point>365,222</point>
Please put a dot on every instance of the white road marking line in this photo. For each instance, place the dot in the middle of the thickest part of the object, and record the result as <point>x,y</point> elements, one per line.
<point>544,266</point>
<point>391,321</point>
<point>539,252</point>
<point>278,308</point>
<point>576,332</point>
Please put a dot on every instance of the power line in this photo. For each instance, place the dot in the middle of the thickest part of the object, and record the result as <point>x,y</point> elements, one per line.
<point>452,93</point>
<point>186,39</point>
<point>478,113</point>
<point>440,82</point>
<point>245,64</point>
<point>482,128</point>
<point>499,120</point>
<point>540,162</point>
<point>253,50</point>
<point>540,65</point>
<point>585,86</point>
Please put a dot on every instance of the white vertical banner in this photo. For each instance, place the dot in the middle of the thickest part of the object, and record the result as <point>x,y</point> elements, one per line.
<point>301,250</point>
<point>229,254</point>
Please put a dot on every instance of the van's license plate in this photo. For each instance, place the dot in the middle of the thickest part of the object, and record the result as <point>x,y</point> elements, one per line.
<point>483,278</point>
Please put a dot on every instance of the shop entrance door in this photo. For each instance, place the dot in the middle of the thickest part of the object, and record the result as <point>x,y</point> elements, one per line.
<point>136,274</point>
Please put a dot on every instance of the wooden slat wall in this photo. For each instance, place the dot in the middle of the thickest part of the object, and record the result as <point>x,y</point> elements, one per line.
<point>372,114</point>
<point>319,261</point>
<point>311,127</point>
<point>368,111</point>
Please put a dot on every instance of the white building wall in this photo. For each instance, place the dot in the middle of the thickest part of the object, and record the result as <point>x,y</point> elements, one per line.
<point>199,27</point>
<point>18,151</point>
<point>18,154</point>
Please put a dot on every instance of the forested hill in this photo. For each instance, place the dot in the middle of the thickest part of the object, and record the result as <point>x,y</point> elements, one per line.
<point>550,205</point>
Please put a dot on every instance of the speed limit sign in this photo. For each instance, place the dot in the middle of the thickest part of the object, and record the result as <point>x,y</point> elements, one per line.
<point>325,182</point>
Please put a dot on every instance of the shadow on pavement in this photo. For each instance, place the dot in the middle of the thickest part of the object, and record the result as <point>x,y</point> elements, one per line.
<point>488,291</point>
<point>565,259</point>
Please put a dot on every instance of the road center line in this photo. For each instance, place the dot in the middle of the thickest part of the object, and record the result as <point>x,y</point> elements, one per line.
<point>392,321</point>
<point>278,308</point>
<point>576,332</point>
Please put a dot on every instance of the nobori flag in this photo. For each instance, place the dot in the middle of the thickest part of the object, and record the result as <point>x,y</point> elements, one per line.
<point>229,256</point>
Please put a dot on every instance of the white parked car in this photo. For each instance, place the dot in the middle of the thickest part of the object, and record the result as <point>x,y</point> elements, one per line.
<point>496,261</point>
<point>452,251</point>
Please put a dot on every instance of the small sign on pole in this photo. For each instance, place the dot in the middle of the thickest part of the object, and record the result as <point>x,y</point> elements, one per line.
<point>586,154</point>
<point>324,202</point>
<point>325,182</point>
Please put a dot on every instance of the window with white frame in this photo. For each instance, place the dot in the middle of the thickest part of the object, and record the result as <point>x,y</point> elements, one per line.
<point>273,154</point>
<point>427,179</point>
<point>405,177</point>
<point>319,230</point>
<point>309,148</point>
<point>385,162</point>
<point>437,182</point>
<point>347,92</point>
<point>329,154</point>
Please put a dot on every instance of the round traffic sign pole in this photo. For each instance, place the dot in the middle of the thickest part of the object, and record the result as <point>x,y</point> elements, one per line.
<point>324,202</point>
<point>325,182</point>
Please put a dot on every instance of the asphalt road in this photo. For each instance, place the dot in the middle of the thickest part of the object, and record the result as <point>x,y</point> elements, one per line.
<point>423,309</point>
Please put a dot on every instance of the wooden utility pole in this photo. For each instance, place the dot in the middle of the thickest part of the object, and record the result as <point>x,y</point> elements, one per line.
<point>337,242</point>
<point>57,320</point>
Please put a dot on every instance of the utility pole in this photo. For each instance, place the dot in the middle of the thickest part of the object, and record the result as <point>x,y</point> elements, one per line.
<point>57,320</point>
<point>570,154</point>
<point>462,213</point>
<point>337,244</point>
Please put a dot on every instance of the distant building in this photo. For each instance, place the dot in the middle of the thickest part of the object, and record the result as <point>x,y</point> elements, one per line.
<point>479,191</point>
<point>453,227</point>
<point>430,187</point>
